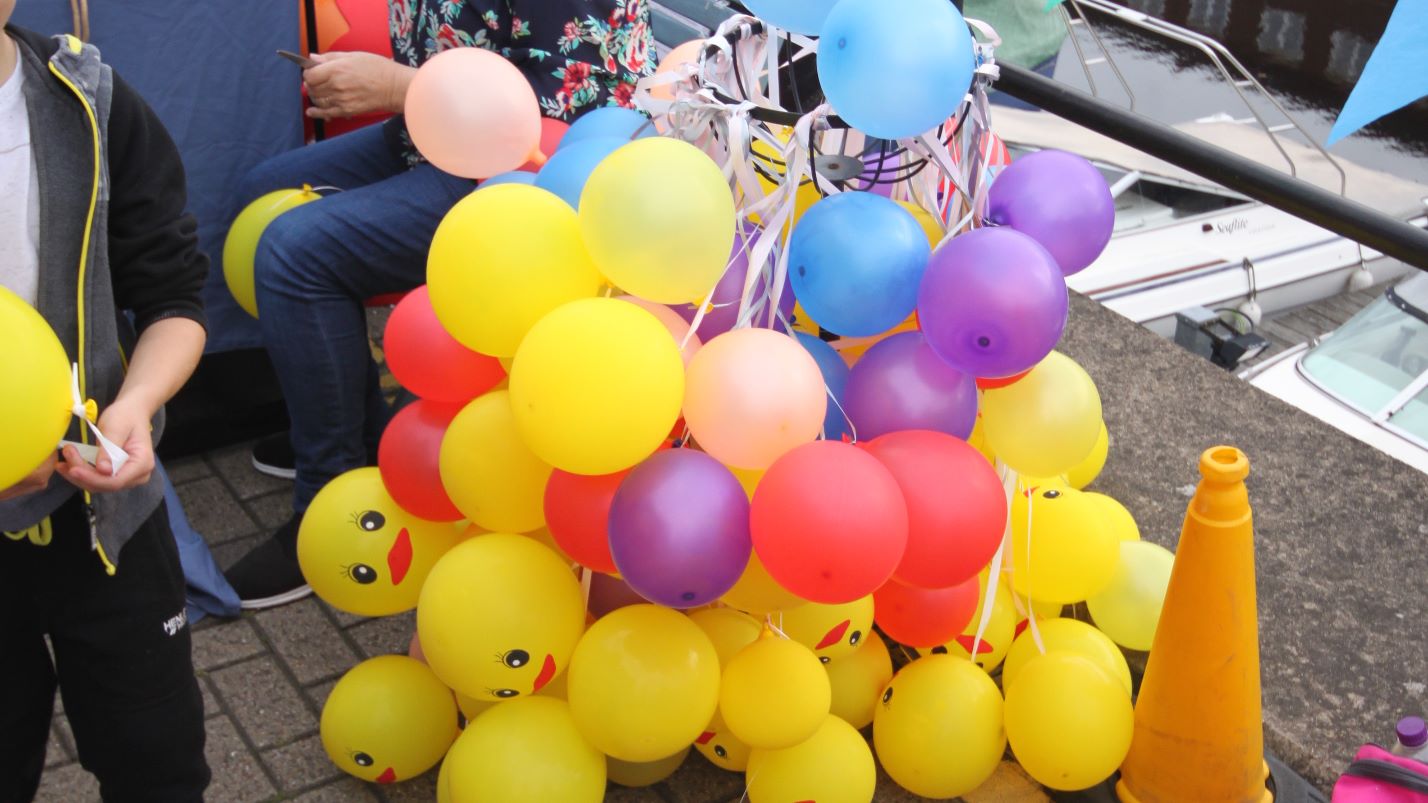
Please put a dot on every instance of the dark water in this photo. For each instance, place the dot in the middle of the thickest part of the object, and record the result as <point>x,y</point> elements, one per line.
<point>1308,53</point>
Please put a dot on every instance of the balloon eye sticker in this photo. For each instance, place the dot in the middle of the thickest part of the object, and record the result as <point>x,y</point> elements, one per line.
<point>1051,495</point>
<point>369,521</point>
<point>516,659</point>
<point>887,696</point>
<point>360,573</point>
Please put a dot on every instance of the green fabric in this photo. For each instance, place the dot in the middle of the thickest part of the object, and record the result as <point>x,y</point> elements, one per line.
<point>1030,33</point>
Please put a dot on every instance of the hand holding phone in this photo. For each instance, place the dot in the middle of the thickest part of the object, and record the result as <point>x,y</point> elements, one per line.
<point>301,61</point>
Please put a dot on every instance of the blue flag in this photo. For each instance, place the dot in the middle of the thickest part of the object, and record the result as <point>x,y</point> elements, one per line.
<point>1396,73</point>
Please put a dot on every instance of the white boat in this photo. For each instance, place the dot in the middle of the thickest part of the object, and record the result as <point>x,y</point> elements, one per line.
<point>1368,378</point>
<point>1181,241</point>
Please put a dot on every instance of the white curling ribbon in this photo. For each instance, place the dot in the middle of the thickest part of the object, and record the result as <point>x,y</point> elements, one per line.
<point>1031,611</point>
<point>80,409</point>
<point>994,573</point>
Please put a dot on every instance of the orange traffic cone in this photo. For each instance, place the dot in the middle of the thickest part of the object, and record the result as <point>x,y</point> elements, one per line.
<point>1198,726</point>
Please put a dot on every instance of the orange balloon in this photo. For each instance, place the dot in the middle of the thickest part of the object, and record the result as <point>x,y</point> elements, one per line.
<point>753,394</point>
<point>471,113</point>
<point>687,53</point>
<point>677,326</point>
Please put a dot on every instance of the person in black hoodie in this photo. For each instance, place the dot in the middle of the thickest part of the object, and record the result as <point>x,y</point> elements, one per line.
<point>92,224</point>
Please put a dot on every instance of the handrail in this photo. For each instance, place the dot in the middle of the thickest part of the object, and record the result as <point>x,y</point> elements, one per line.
<point>1340,215</point>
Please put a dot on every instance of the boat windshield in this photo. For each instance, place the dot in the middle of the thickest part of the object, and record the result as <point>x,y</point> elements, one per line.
<point>1373,357</point>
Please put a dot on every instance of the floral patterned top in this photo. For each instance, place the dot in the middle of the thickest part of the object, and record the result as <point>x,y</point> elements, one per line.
<point>578,54</point>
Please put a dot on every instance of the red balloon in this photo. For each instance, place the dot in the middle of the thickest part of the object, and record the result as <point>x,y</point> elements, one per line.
<point>552,131</point>
<point>956,507</point>
<point>407,458</point>
<point>577,510</point>
<point>428,361</point>
<point>829,522</point>
<point>921,617</point>
<point>992,383</point>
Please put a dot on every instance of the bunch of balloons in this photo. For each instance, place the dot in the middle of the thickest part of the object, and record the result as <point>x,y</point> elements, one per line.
<point>684,465</point>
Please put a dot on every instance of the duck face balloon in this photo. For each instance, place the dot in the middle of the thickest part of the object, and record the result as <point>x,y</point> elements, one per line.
<point>831,631</point>
<point>361,552</point>
<point>721,747</point>
<point>388,719</point>
<point>499,616</point>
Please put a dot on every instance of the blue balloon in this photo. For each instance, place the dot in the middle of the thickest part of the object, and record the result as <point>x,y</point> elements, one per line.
<point>569,168</point>
<point>895,68</point>
<point>608,122</point>
<point>799,16</point>
<point>835,375</point>
<point>513,177</point>
<point>856,260</point>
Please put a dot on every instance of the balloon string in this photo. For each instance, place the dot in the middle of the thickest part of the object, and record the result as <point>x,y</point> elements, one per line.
<point>1030,610</point>
<point>994,569</point>
<point>586,578</point>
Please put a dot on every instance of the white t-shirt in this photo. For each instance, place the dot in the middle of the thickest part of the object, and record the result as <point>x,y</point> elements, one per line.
<point>19,192</point>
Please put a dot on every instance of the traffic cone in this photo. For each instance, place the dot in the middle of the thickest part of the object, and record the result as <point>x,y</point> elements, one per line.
<point>1198,726</point>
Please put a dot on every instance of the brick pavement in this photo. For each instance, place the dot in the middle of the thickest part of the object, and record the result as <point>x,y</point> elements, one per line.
<point>265,677</point>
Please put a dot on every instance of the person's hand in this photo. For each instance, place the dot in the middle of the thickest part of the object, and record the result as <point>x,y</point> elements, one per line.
<point>126,424</point>
<point>37,481</point>
<point>348,84</point>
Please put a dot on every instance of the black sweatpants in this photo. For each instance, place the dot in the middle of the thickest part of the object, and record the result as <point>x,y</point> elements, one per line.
<point>122,661</point>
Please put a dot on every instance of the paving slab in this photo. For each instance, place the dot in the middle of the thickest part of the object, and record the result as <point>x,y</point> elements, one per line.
<point>386,636</point>
<point>185,469</point>
<point>235,465</point>
<point>217,643</point>
<point>306,640</point>
<point>215,512</point>
<point>237,775</point>
<point>347,790</point>
<point>264,702</point>
<point>69,783</point>
<point>301,765</point>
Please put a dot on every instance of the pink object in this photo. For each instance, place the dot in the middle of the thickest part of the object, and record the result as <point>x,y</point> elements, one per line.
<point>414,649</point>
<point>473,114</point>
<point>1378,776</point>
<point>677,326</point>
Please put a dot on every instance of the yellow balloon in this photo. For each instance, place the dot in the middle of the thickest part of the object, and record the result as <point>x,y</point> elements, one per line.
<point>492,477</point>
<point>978,440</point>
<point>721,747</point>
<point>472,707</point>
<point>543,536</point>
<point>831,631</point>
<point>499,617</point>
<point>834,765</point>
<point>857,681</point>
<point>929,224</point>
<point>503,258</point>
<point>525,751</point>
<point>241,246</point>
<point>728,630</point>
<point>443,783</point>
<point>597,386</point>
<point>1129,608</point>
<point>938,730</point>
<point>1061,552</point>
<point>1085,472</point>
<point>644,773</point>
<point>644,682</point>
<point>747,477</point>
<point>35,406</point>
<point>388,719</point>
<point>1069,636</point>
<point>658,217</point>
<point>997,639</point>
<point>361,552</point>
<point>1069,723</point>
<point>1115,517</point>
<point>1047,422</point>
<point>774,693</point>
<point>758,593</point>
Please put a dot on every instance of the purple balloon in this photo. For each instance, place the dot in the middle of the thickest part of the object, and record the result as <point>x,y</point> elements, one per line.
<point>879,170</point>
<point>993,302</point>
<point>725,301</point>
<point>1061,201</point>
<point>900,383</point>
<point>679,529</point>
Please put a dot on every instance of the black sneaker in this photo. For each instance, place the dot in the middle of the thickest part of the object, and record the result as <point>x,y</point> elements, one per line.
<point>269,575</point>
<point>273,456</point>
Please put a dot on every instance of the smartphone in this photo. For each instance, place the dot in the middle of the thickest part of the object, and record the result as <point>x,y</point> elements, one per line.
<point>301,61</point>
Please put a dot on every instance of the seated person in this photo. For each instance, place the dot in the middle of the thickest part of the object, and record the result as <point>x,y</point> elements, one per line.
<point>317,263</point>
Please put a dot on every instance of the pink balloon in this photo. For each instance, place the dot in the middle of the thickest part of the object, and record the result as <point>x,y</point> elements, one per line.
<point>687,53</point>
<point>414,649</point>
<point>472,113</point>
<point>751,395</point>
<point>673,321</point>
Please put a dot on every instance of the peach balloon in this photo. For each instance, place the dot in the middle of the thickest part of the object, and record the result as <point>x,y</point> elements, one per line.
<point>751,395</point>
<point>471,113</point>
<point>687,53</point>
<point>677,326</point>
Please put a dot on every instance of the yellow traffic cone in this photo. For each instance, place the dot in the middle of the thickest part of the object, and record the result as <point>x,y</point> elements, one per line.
<point>1198,726</point>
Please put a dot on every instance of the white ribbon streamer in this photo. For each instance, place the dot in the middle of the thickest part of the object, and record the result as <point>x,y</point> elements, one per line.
<point>80,409</point>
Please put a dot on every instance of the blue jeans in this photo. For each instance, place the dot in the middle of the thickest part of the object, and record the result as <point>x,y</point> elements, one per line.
<point>314,268</point>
